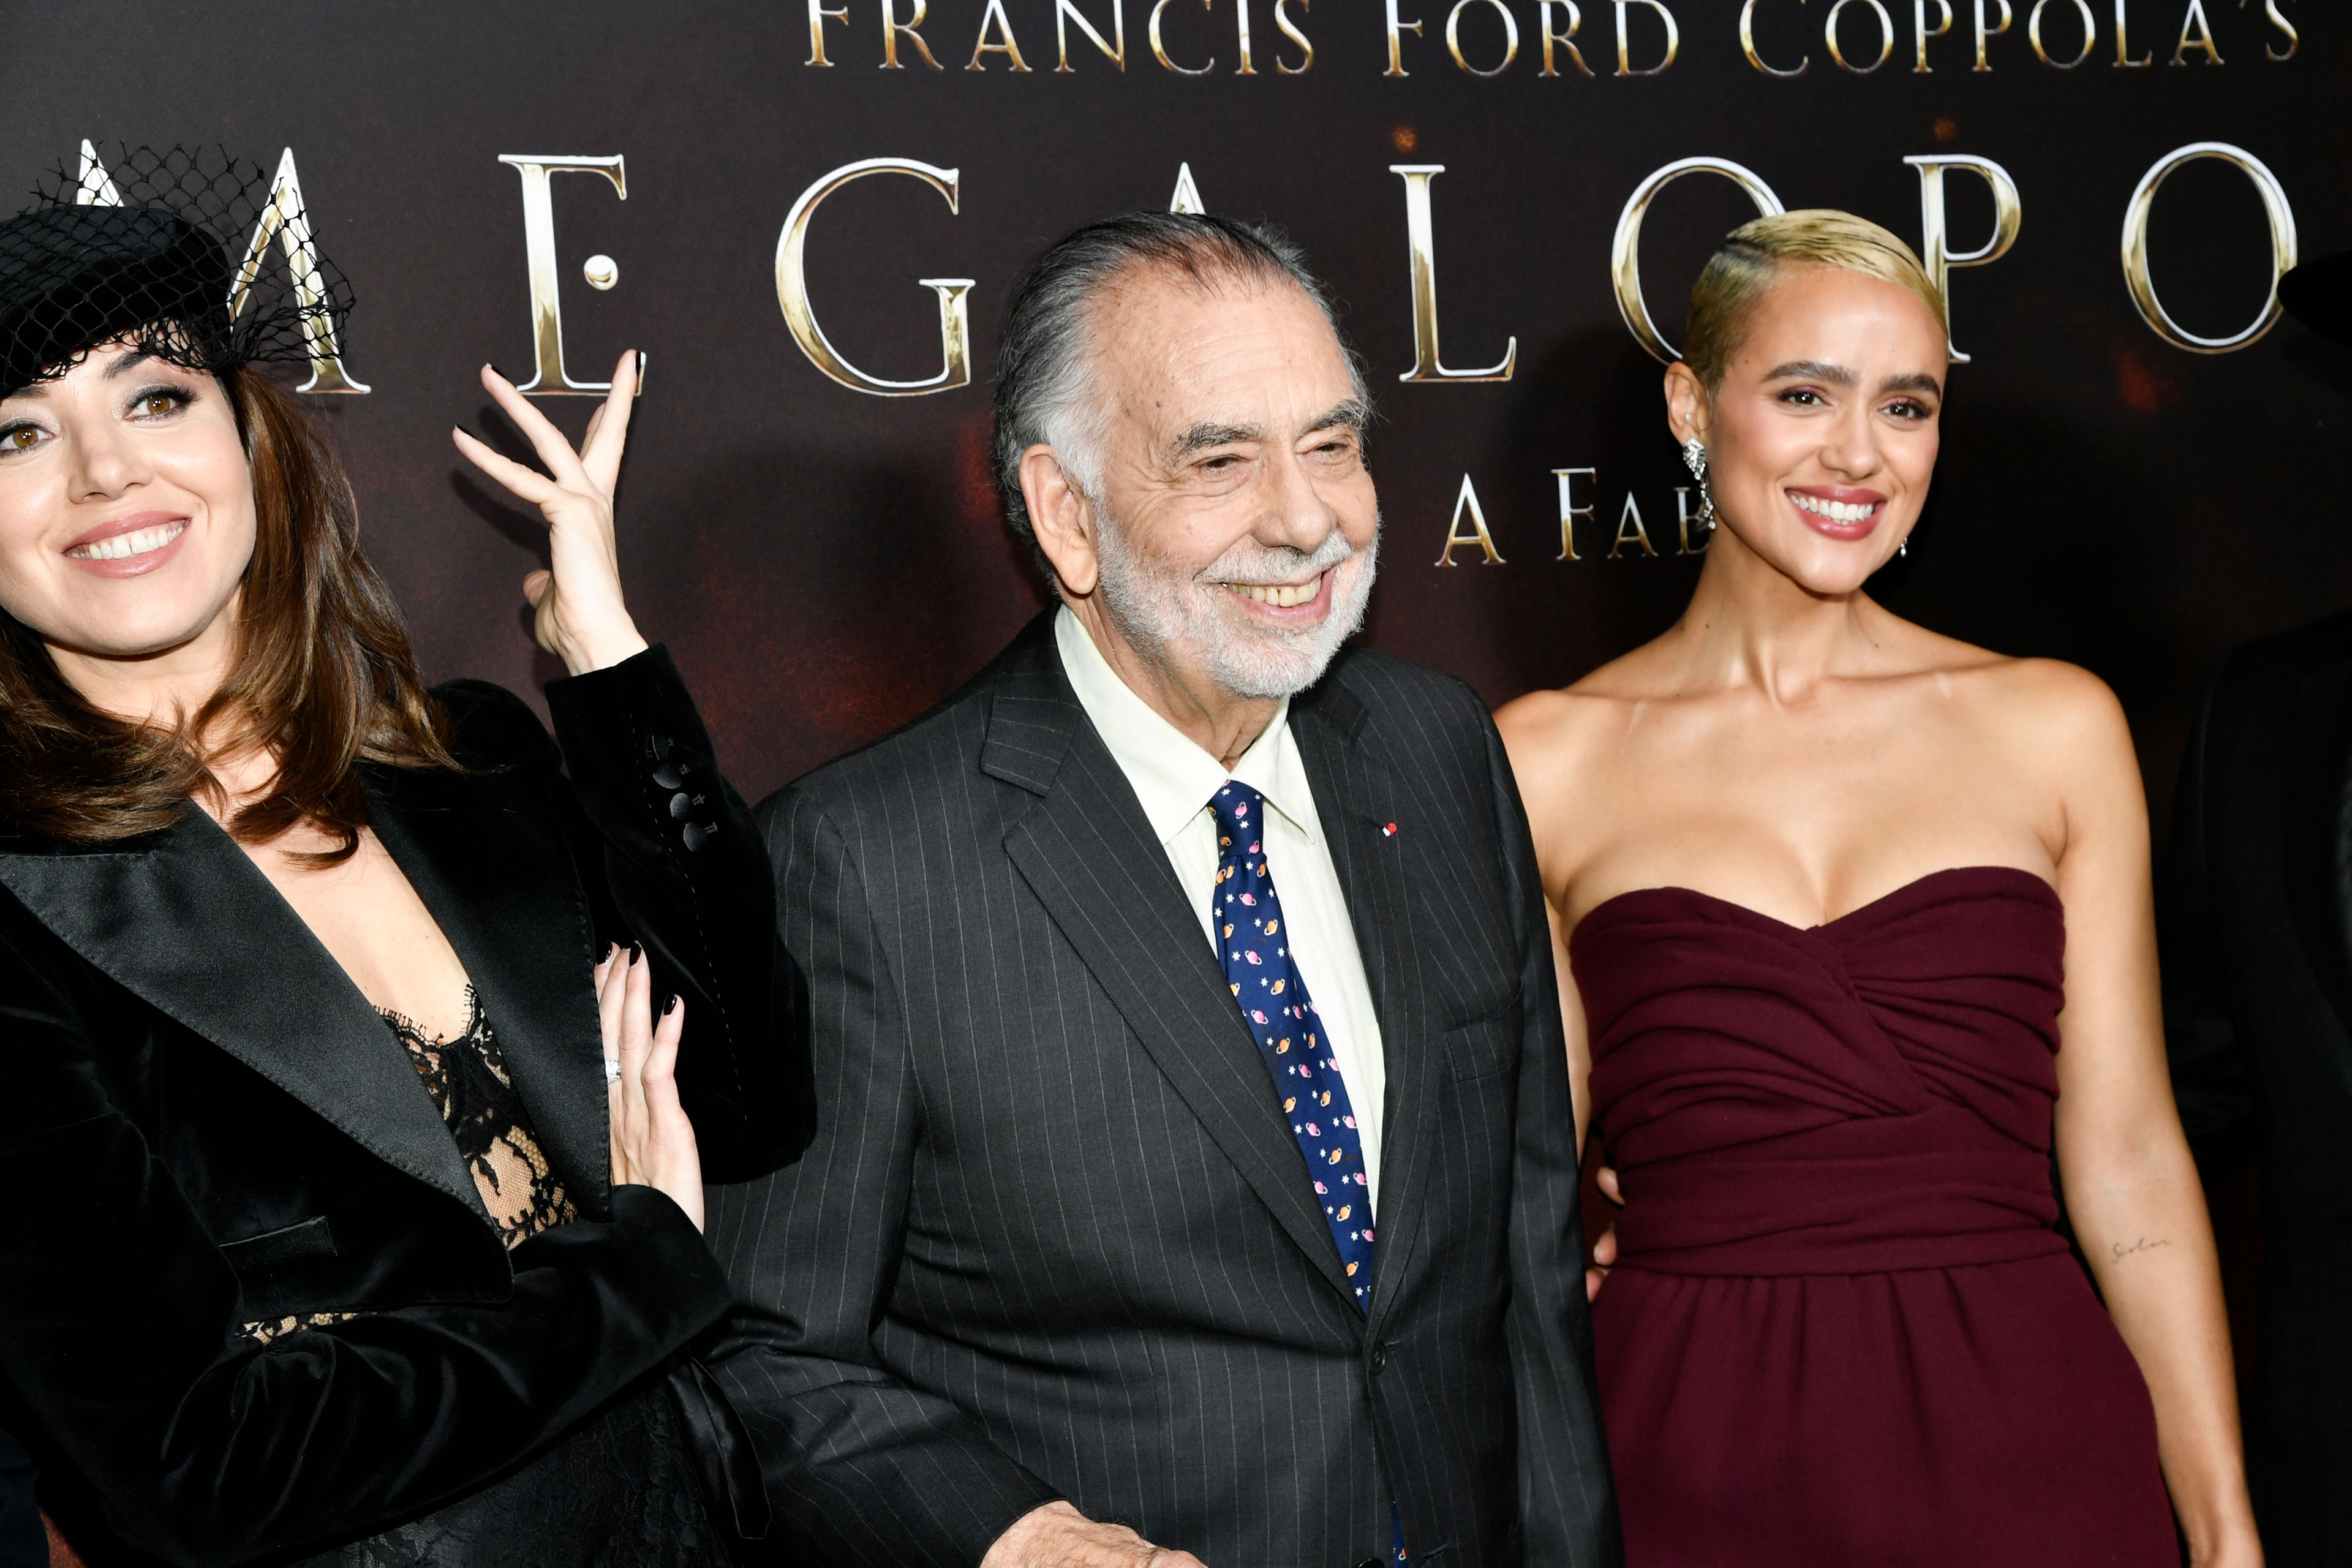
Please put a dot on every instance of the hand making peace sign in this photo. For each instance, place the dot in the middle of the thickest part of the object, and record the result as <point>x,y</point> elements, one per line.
<point>580,616</point>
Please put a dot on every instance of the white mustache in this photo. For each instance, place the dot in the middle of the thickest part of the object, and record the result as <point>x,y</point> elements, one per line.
<point>1247,565</point>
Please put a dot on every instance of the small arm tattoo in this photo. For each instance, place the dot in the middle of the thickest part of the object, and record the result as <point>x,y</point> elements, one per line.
<point>2120,1252</point>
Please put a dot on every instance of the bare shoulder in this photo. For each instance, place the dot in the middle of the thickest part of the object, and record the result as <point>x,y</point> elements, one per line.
<point>1550,729</point>
<point>2058,721</point>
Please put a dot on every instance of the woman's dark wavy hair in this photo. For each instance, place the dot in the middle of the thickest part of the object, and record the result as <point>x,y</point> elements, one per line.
<point>323,676</point>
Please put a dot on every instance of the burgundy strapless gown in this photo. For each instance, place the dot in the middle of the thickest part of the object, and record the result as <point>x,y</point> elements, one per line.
<point>1843,1330</point>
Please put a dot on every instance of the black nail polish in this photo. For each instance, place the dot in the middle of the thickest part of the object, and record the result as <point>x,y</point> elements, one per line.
<point>670,1006</point>
<point>636,953</point>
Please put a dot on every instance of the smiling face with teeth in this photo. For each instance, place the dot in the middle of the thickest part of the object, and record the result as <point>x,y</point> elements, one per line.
<point>1231,545</point>
<point>126,514</point>
<point>1822,440</point>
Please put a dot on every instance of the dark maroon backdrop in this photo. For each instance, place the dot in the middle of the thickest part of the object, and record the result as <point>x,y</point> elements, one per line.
<point>826,563</point>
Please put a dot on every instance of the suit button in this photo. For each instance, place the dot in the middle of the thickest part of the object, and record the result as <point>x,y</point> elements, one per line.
<point>1379,1360</point>
<point>1370,1563</point>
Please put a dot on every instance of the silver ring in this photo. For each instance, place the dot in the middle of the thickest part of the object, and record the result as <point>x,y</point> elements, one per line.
<point>612,1069</point>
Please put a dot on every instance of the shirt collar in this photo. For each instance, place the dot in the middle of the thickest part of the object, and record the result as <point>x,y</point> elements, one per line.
<point>1173,777</point>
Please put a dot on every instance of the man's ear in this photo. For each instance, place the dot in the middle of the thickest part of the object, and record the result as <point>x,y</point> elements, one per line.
<point>1062,520</point>
<point>1688,411</point>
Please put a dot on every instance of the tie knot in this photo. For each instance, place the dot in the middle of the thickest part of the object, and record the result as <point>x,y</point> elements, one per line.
<point>1238,808</point>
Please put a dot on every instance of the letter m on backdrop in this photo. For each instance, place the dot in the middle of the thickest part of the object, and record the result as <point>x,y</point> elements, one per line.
<point>284,219</point>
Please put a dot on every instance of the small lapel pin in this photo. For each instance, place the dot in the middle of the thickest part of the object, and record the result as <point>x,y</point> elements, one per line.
<point>1390,831</point>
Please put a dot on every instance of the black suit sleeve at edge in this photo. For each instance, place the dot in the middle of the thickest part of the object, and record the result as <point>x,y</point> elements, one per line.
<point>1568,1510</point>
<point>671,855</point>
<point>860,1468</point>
<point>2208,1073</point>
<point>208,1449</point>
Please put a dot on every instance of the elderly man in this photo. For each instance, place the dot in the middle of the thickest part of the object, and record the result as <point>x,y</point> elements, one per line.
<point>1195,1179</point>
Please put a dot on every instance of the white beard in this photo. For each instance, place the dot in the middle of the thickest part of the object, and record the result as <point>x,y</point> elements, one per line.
<point>1156,610</point>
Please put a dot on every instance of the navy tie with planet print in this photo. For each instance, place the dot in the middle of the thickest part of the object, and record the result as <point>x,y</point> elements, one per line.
<point>1254,948</point>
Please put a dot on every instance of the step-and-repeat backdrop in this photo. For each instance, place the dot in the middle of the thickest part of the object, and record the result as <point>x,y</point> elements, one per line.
<point>807,213</point>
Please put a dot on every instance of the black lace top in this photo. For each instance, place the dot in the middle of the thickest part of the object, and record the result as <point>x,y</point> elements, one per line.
<point>471,1086</point>
<point>469,1083</point>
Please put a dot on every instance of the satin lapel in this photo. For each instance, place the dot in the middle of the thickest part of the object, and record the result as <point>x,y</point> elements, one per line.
<point>2317,840</point>
<point>500,882</point>
<point>190,926</point>
<point>1088,853</point>
<point>1358,798</point>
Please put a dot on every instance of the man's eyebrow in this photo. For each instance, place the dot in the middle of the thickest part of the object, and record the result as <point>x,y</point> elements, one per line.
<point>1205,434</point>
<point>1917,381</point>
<point>1350,415</point>
<point>1814,369</point>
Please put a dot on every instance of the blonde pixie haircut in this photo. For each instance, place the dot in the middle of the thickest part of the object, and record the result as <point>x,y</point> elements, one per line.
<point>1745,266</point>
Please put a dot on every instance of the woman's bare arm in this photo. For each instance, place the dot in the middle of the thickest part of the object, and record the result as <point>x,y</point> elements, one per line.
<point>1540,748</point>
<point>2131,1189</point>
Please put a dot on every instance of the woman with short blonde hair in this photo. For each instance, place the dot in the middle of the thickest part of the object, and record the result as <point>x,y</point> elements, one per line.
<point>1858,921</point>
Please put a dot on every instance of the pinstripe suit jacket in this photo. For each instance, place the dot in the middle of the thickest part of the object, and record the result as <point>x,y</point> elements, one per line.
<point>1053,1237</point>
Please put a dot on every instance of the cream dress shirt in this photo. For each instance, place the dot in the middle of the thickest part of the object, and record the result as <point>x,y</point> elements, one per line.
<point>1174,779</point>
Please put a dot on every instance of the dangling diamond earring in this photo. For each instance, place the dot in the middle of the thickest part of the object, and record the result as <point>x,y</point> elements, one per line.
<point>1694,459</point>
<point>1904,548</point>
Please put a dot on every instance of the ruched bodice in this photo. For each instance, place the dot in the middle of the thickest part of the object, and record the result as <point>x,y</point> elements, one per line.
<point>1843,1327</point>
<point>1870,1094</point>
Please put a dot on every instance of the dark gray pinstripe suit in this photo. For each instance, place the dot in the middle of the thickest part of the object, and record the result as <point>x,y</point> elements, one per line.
<point>1053,1237</point>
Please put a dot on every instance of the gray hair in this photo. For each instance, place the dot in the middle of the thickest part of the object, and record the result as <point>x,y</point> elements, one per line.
<point>1045,390</point>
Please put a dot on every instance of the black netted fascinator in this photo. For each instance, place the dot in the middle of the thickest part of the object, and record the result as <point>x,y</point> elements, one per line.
<point>189,252</point>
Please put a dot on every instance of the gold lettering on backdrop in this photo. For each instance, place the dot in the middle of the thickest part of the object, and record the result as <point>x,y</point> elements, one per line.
<point>1187,198</point>
<point>1290,29</point>
<point>287,220</point>
<point>1625,44</point>
<point>1886,37</point>
<point>1683,518</point>
<point>1748,43</point>
<point>2286,30</point>
<point>2204,40</point>
<point>1160,53</point>
<point>1570,512</point>
<point>94,187</point>
<point>1625,248</point>
<point>1631,519</point>
<point>1421,246</point>
<point>1466,503</point>
<point>1985,34</point>
<point>2284,248</point>
<point>1919,30</point>
<point>1454,36</point>
<point>1575,20</point>
<point>892,28</point>
<point>1064,13</point>
<point>549,378</point>
<point>1242,37</point>
<point>2123,40</point>
<point>792,286</point>
<point>1935,232</point>
<point>1397,27</point>
<point>1010,47</point>
<point>2090,34</point>
<point>818,17</point>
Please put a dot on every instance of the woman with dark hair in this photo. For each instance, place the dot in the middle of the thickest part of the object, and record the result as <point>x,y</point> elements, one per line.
<point>354,1201</point>
<point>1859,923</point>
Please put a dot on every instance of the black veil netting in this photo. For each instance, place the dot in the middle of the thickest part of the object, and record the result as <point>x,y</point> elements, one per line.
<point>185,250</point>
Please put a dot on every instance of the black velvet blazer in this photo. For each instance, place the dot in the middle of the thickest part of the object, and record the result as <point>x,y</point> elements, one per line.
<point>203,1122</point>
